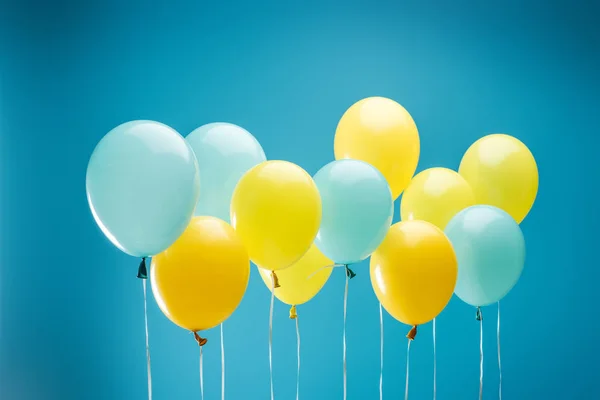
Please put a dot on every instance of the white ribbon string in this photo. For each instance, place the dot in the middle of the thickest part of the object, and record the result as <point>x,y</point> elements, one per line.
<point>298,356</point>
<point>434,364</point>
<point>407,369</point>
<point>499,360</point>
<point>344,334</point>
<point>481,359</point>
<point>325,267</point>
<point>147,341</point>
<point>271,336</point>
<point>222,365</point>
<point>381,351</point>
<point>201,377</point>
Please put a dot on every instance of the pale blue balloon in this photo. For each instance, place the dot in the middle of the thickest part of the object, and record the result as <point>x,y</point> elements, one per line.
<point>142,186</point>
<point>225,152</point>
<point>357,210</point>
<point>490,249</point>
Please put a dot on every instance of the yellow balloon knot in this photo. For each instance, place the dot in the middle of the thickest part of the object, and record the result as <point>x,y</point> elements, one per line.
<point>293,314</point>
<point>412,333</point>
<point>275,280</point>
<point>200,340</point>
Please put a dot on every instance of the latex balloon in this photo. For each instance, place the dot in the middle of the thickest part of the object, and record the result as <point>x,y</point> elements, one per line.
<point>490,249</point>
<point>276,210</point>
<point>142,186</point>
<point>381,132</point>
<point>436,195</point>
<point>414,271</point>
<point>357,210</point>
<point>303,280</point>
<point>200,280</point>
<point>503,173</point>
<point>225,152</point>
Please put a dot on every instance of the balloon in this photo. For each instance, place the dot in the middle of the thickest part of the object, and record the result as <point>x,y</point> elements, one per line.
<point>381,132</point>
<point>413,272</point>
<point>436,195</point>
<point>276,211</point>
<point>357,210</point>
<point>303,280</point>
<point>200,280</point>
<point>490,249</point>
<point>142,186</point>
<point>224,152</point>
<point>503,173</point>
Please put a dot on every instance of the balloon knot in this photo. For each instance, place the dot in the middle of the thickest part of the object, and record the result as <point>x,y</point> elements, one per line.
<point>293,314</point>
<point>200,340</point>
<point>275,280</point>
<point>142,270</point>
<point>350,273</point>
<point>478,315</point>
<point>412,333</point>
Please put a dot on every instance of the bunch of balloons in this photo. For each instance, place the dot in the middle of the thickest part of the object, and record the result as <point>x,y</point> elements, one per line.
<point>206,205</point>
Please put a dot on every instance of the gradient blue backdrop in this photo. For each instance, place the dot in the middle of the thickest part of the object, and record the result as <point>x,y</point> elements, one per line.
<point>71,308</point>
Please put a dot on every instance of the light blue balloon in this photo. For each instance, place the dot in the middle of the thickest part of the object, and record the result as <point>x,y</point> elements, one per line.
<point>225,152</point>
<point>357,210</point>
<point>490,249</point>
<point>142,186</point>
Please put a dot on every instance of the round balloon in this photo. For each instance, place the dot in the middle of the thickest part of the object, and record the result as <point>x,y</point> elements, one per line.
<point>357,210</point>
<point>414,271</point>
<point>303,280</point>
<point>503,173</point>
<point>276,211</point>
<point>490,249</point>
<point>142,186</point>
<point>436,195</point>
<point>225,152</point>
<point>200,280</point>
<point>381,132</point>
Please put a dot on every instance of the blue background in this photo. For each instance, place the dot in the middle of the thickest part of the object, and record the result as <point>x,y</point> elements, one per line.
<point>71,308</point>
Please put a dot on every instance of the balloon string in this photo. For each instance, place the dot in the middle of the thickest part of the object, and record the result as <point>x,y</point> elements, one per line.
<point>147,341</point>
<point>298,356</point>
<point>344,334</point>
<point>222,365</point>
<point>325,267</point>
<point>434,364</point>
<point>499,360</point>
<point>271,336</point>
<point>381,351</point>
<point>480,354</point>
<point>201,376</point>
<point>407,369</point>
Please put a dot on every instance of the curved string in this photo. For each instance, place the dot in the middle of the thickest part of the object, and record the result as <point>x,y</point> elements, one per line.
<point>222,366</point>
<point>407,369</point>
<point>271,336</point>
<point>201,376</point>
<point>480,358</point>
<point>147,341</point>
<point>325,267</point>
<point>499,359</point>
<point>298,356</point>
<point>434,364</point>
<point>344,335</point>
<point>381,351</point>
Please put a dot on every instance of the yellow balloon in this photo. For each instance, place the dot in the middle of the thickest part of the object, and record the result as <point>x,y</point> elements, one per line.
<point>414,271</point>
<point>382,133</point>
<point>303,280</point>
<point>276,211</point>
<point>200,280</point>
<point>503,173</point>
<point>436,195</point>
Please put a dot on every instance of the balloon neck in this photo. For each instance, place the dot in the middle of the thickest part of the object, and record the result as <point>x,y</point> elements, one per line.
<point>478,315</point>
<point>412,333</point>
<point>142,270</point>
<point>349,273</point>
<point>200,340</point>
<point>275,280</point>
<point>293,314</point>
